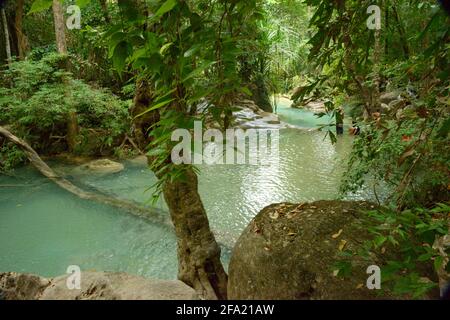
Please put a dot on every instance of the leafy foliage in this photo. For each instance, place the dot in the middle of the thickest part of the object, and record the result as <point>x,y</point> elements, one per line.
<point>403,146</point>
<point>37,97</point>
<point>407,242</point>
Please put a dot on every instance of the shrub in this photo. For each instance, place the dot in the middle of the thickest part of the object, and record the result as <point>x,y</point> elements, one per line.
<point>36,98</point>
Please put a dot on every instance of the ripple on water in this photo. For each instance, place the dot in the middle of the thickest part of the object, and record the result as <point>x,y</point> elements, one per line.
<point>43,229</point>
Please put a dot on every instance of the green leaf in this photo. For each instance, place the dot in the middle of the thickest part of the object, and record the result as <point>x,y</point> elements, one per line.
<point>438,261</point>
<point>333,137</point>
<point>165,47</point>
<point>40,5</point>
<point>192,50</point>
<point>155,106</point>
<point>114,40</point>
<point>425,257</point>
<point>82,3</point>
<point>246,90</point>
<point>120,55</point>
<point>198,70</point>
<point>379,241</point>
<point>166,7</point>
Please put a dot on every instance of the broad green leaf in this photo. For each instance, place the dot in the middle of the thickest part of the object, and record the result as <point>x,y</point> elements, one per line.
<point>166,7</point>
<point>121,52</point>
<point>115,39</point>
<point>155,106</point>
<point>40,5</point>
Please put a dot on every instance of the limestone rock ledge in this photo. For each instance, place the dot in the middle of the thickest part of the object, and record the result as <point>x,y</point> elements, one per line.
<point>94,286</point>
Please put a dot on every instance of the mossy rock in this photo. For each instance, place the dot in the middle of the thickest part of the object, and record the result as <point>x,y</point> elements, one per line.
<point>289,251</point>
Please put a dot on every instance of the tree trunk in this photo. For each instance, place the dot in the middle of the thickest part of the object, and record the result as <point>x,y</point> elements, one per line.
<point>22,43</point>
<point>377,51</point>
<point>141,124</point>
<point>6,32</point>
<point>199,263</point>
<point>60,33</point>
<point>72,121</point>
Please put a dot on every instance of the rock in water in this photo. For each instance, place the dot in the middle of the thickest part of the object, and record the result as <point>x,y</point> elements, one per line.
<point>102,166</point>
<point>94,286</point>
<point>289,250</point>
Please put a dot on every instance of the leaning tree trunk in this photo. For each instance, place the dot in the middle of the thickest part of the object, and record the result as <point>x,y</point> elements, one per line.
<point>198,252</point>
<point>6,33</point>
<point>152,214</point>
<point>72,121</point>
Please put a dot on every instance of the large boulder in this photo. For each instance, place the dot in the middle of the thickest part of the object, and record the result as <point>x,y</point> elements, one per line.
<point>94,286</point>
<point>289,251</point>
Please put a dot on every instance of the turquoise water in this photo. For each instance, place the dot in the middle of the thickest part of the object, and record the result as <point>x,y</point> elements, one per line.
<point>43,229</point>
<point>301,118</point>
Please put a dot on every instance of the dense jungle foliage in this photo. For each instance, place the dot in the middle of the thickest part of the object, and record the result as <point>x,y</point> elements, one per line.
<point>138,69</point>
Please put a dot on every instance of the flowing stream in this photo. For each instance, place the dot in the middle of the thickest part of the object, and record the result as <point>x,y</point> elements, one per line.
<point>44,229</point>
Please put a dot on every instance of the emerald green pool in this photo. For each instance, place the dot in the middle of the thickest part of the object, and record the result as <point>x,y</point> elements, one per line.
<point>44,229</point>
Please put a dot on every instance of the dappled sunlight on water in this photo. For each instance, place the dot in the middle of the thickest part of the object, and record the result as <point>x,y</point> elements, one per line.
<point>43,229</point>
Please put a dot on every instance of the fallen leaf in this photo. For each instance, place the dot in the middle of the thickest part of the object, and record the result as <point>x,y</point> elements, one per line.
<point>337,235</point>
<point>335,273</point>
<point>342,245</point>
<point>274,215</point>
<point>292,234</point>
<point>360,286</point>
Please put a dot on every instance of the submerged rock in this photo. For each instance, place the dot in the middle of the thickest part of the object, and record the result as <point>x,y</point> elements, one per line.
<point>313,106</point>
<point>102,166</point>
<point>249,116</point>
<point>94,286</point>
<point>289,250</point>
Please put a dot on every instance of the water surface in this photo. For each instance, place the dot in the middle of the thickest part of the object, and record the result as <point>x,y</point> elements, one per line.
<point>44,229</point>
